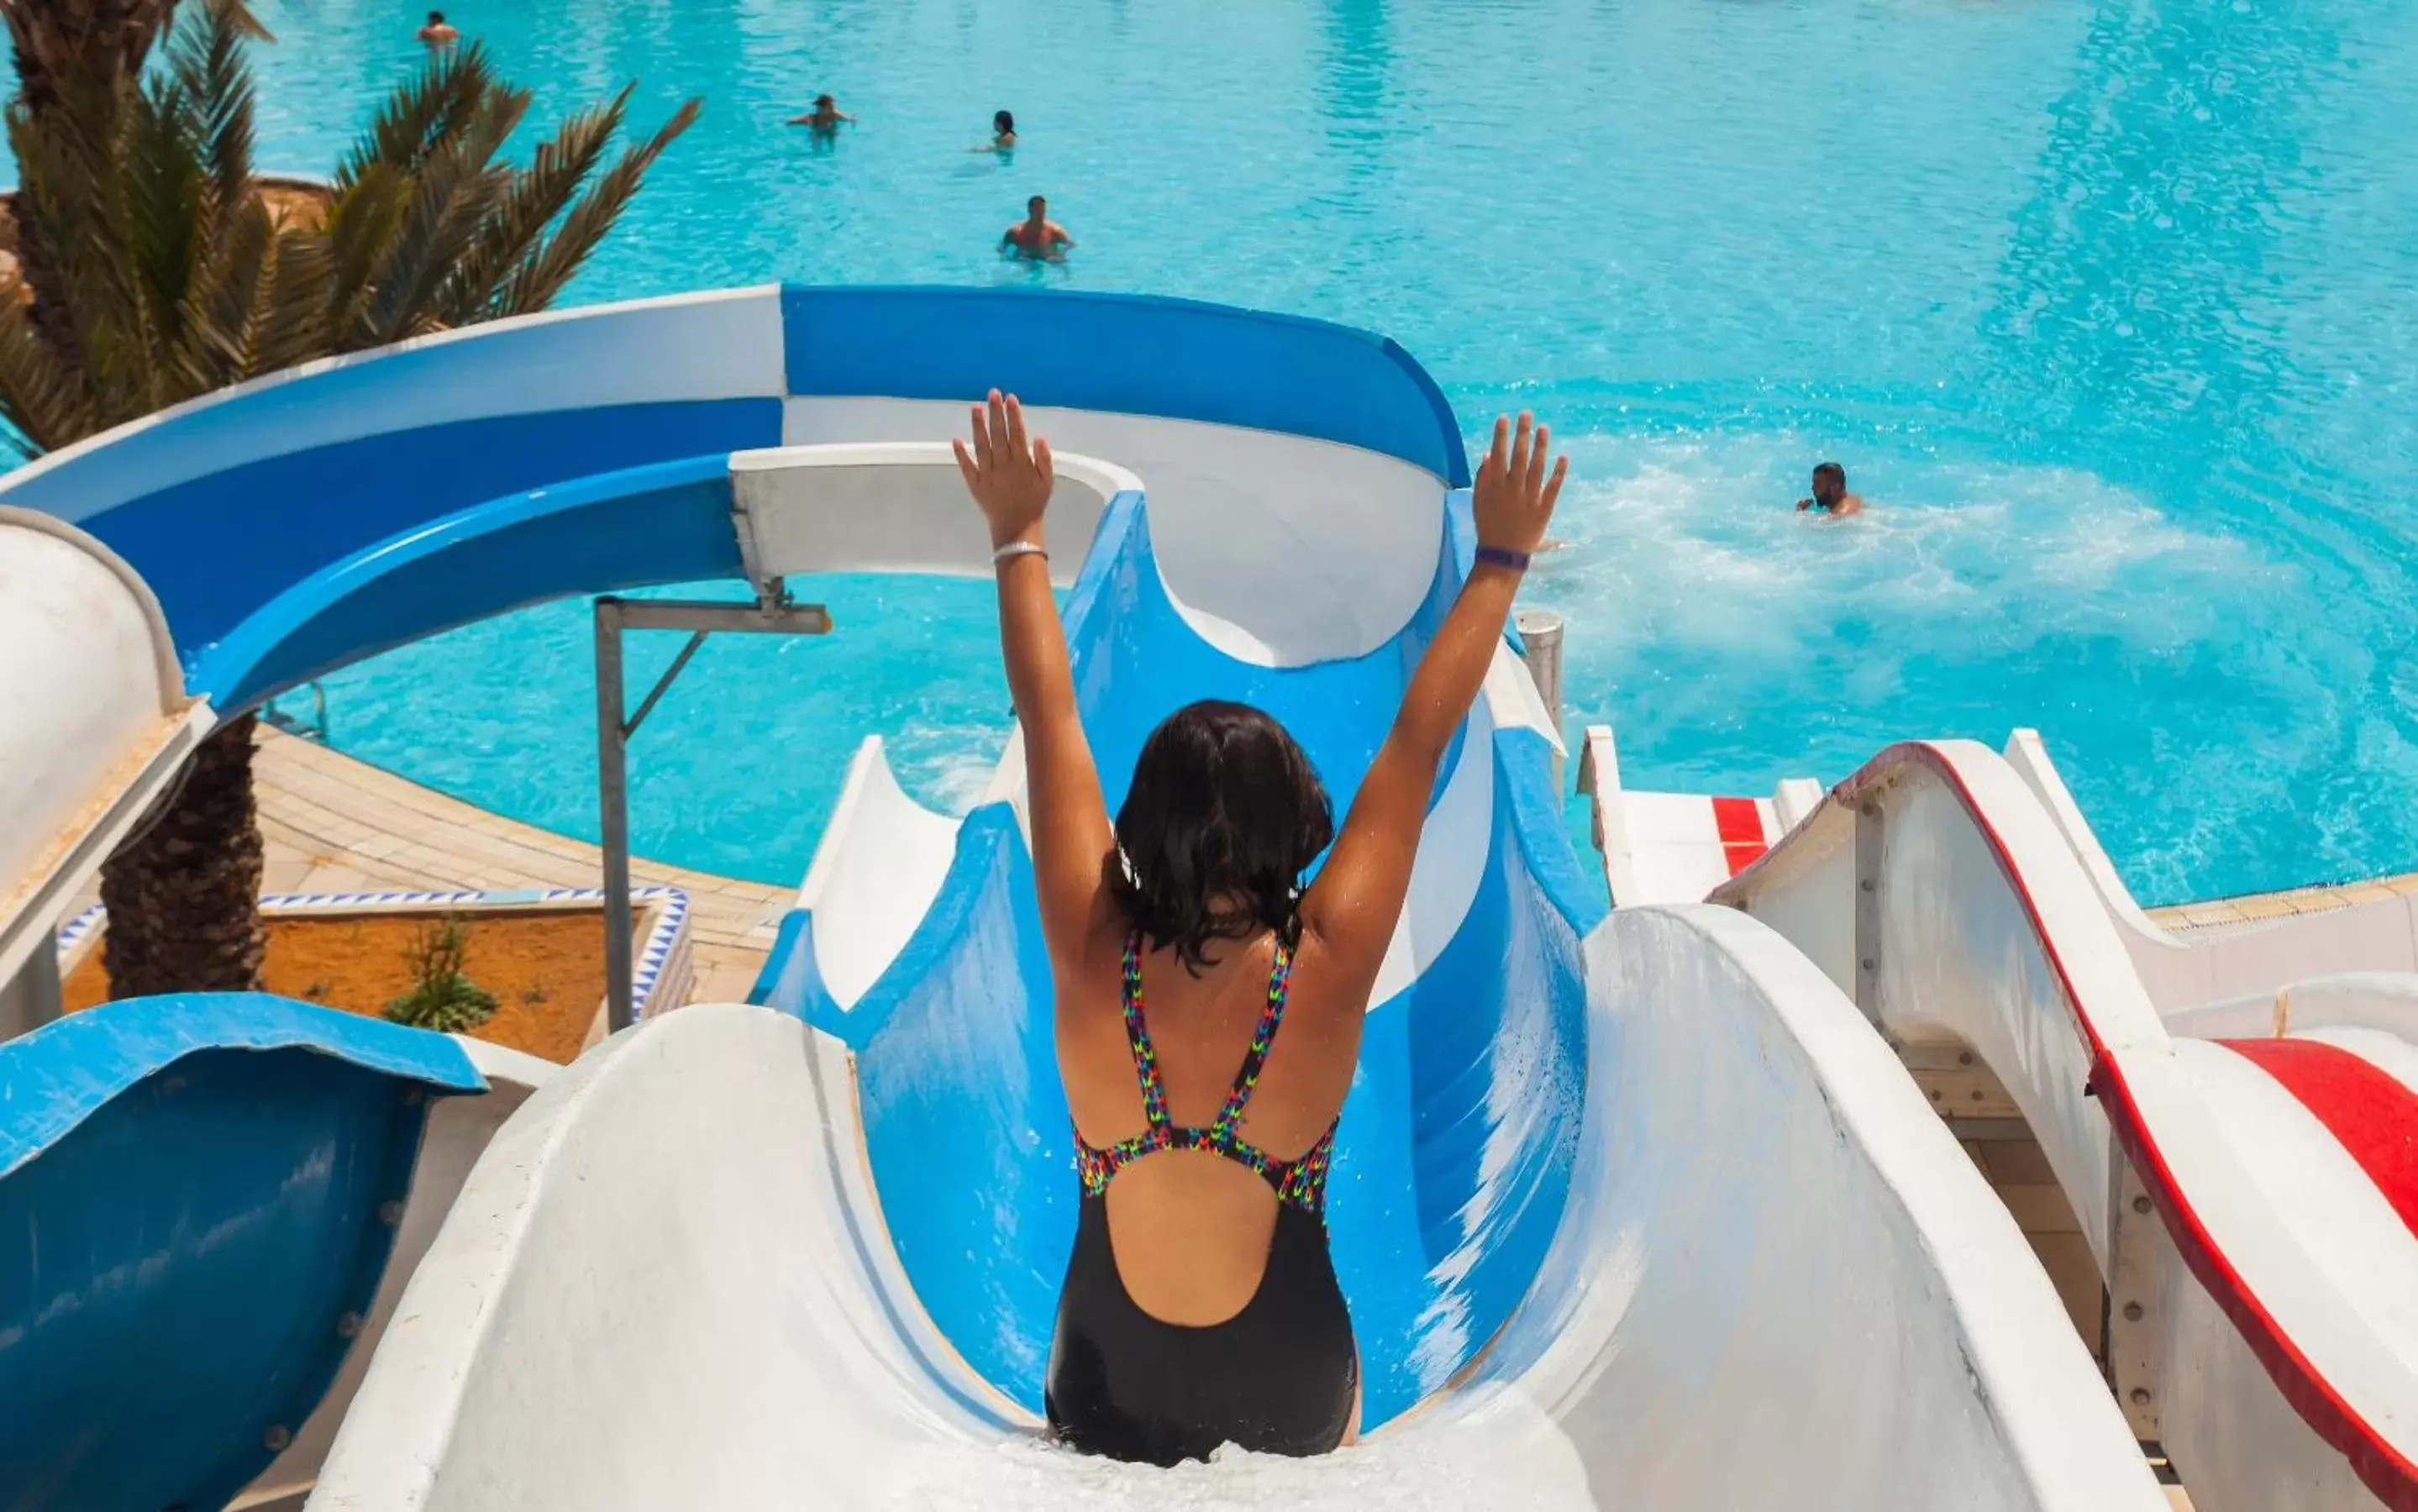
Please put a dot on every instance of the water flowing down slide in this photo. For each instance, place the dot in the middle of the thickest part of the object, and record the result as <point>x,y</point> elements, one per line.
<point>1631,1211</point>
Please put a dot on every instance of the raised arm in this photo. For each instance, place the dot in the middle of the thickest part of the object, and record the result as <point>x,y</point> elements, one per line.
<point>1010,481</point>
<point>1352,906</point>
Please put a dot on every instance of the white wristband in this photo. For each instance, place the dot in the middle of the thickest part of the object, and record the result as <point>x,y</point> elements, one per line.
<point>1019,548</point>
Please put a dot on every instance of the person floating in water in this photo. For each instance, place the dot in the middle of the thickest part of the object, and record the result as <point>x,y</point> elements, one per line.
<point>826,119</point>
<point>1036,235</point>
<point>1208,1006</point>
<point>1830,496</point>
<point>437,32</point>
<point>1002,133</point>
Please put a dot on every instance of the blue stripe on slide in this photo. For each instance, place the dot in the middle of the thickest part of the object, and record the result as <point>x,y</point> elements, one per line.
<point>668,521</point>
<point>217,548</point>
<point>1123,354</point>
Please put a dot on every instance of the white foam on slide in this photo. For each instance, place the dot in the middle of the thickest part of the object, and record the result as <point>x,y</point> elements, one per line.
<point>1426,1462</point>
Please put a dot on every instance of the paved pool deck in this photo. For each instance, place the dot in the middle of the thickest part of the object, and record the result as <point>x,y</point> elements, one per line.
<point>333,824</point>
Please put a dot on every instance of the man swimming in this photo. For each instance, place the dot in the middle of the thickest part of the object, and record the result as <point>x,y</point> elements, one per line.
<point>1830,496</point>
<point>826,119</point>
<point>437,32</point>
<point>1036,235</point>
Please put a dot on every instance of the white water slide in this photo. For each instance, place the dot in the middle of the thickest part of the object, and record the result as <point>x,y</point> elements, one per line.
<point>2230,1114</point>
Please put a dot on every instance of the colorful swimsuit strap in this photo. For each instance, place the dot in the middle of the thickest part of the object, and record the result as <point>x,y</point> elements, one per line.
<point>1145,1059</point>
<point>1247,1080</point>
<point>1302,1182</point>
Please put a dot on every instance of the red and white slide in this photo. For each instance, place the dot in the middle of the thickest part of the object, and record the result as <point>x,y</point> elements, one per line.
<point>2234,1121</point>
<point>1676,847</point>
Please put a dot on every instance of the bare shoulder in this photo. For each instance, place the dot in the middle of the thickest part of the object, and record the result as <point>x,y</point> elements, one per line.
<point>1330,988</point>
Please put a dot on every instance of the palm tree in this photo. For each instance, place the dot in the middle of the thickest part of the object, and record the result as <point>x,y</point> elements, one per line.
<point>170,275</point>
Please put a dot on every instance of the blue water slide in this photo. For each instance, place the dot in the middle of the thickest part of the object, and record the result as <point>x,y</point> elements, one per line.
<point>299,523</point>
<point>294,524</point>
<point>1459,1129</point>
<point>198,1195</point>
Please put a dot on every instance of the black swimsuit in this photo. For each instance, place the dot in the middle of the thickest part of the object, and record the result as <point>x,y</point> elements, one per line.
<point>1282,1375</point>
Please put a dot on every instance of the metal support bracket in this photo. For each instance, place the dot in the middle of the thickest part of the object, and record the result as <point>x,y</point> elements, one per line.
<point>1868,908</point>
<point>614,729</point>
<point>2137,1283</point>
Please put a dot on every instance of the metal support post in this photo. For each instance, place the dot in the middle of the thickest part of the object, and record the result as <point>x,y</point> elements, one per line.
<point>1868,906</point>
<point>613,732</point>
<point>1540,640</point>
<point>613,813</point>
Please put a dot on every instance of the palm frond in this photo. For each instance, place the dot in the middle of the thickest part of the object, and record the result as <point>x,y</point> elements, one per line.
<point>162,272</point>
<point>71,199</point>
<point>168,221</point>
<point>362,225</point>
<point>206,63</point>
<point>44,401</point>
<point>454,195</point>
<point>416,119</point>
<point>531,203</point>
<point>224,307</point>
<point>540,277</point>
<point>293,303</point>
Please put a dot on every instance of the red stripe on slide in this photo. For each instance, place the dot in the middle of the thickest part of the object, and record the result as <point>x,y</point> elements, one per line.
<point>1741,832</point>
<point>1738,822</point>
<point>2370,1114</point>
<point>2381,1467</point>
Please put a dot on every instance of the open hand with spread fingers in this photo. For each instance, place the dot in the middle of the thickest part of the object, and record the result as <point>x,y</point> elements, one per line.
<point>1009,476</point>
<point>1513,500</point>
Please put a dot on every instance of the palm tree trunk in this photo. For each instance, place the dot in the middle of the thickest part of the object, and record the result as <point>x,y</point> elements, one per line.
<point>184,896</point>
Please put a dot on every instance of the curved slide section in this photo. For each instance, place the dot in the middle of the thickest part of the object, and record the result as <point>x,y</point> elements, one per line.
<point>2266,1328</point>
<point>382,497</point>
<point>672,1285</point>
<point>208,1204</point>
<point>1457,1146</point>
<point>291,526</point>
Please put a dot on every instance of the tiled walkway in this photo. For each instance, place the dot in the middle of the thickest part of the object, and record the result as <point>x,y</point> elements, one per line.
<point>2258,907</point>
<point>337,825</point>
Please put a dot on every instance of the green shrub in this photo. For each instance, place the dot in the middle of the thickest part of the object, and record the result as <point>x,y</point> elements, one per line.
<point>442,997</point>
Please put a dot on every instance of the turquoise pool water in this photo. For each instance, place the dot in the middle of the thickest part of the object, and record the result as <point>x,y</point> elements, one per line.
<point>2108,307</point>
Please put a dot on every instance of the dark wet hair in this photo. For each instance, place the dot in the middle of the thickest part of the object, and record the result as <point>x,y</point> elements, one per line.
<point>437,18</point>
<point>1002,121</point>
<point>1224,805</point>
<point>1833,471</point>
<point>1037,201</point>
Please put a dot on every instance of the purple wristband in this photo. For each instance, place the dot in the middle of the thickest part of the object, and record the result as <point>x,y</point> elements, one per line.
<point>1516,560</point>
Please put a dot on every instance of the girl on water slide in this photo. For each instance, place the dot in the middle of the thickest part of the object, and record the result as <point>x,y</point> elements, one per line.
<point>1200,1305</point>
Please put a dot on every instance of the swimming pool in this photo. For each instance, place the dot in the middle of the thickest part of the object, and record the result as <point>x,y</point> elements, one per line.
<point>2107,307</point>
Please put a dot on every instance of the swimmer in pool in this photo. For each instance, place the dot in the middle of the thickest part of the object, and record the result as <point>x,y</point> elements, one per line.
<point>826,119</point>
<point>1830,496</point>
<point>437,32</point>
<point>1002,133</point>
<point>1036,235</point>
